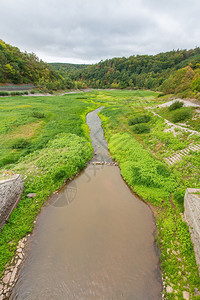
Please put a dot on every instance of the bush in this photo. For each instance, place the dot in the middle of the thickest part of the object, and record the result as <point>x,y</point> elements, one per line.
<point>141,128</point>
<point>16,93</point>
<point>139,119</point>
<point>175,105</point>
<point>4,93</point>
<point>37,114</point>
<point>181,115</point>
<point>19,143</point>
<point>60,173</point>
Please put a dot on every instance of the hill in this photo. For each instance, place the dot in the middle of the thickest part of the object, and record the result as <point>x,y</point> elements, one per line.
<point>170,72</point>
<point>18,67</point>
<point>64,68</point>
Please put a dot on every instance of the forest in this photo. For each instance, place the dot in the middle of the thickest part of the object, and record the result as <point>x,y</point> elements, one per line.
<point>18,67</point>
<point>174,72</point>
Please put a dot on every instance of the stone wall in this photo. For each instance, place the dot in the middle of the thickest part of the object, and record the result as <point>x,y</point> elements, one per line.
<point>10,193</point>
<point>192,216</point>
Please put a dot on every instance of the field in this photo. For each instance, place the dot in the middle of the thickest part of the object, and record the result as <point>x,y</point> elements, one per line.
<point>46,139</point>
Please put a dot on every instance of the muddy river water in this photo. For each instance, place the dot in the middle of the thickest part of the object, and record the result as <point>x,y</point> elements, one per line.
<point>93,241</point>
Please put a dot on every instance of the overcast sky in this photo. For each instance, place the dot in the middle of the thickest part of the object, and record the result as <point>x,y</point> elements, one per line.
<point>86,31</point>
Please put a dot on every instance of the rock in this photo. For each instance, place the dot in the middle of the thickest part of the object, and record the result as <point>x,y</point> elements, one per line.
<point>6,278</point>
<point>1,297</point>
<point>1,288</point>
<point>196,292</point>
<point>19,262</point>
<point>31,195</point>
<point>186,295</point>
<point>169,289</point>
<point>12,278</point>
<point>20,255</point>
<point>179,259</point>
<point>21,245</point>
<point>19,250</point>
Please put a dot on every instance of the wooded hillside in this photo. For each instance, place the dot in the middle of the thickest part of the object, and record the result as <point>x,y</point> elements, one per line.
<point>18,67</point>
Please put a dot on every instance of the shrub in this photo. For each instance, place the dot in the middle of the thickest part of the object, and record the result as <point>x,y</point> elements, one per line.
<point>37,114</point>
<point>4,93</point>
<point>163,170</point>
<point>16,93</point>
<point>60,173</point>
<point>181,115</point>
<point>141,128</point>
<point>19,143</point>
<point>139,119</point>
<point>175,105</point>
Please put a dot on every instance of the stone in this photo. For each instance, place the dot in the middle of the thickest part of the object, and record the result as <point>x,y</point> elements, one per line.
<point>20,255</point>
<point>186,295</point>
<point>19,250</point>
<point>1,288</point>
<point>179,259</point>
<point>31,195</point>
<point>192,213</point>
<point>21,245</point>
<point>6,278</point>
<point>169,289</point>
<point>12,278</point>
<point>1,297</point>
<point>10,193</point>
<point>196,292</point>
<point>19,262</point>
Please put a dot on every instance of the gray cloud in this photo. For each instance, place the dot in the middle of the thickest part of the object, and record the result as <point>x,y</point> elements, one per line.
<point>91,30</point>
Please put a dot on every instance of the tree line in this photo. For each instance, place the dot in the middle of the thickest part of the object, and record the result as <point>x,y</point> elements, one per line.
<point>171,72</point>
<point>20,68</point>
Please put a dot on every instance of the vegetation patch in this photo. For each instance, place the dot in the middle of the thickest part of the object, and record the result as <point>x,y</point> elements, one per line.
<point>175,105</point>
<point>139,119</point>
<point>141,128</point>
<point>57,148</point>
<point>181,115</point>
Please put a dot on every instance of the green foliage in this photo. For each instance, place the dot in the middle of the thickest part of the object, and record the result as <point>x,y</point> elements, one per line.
<point>141,128</point>
<point>175,105</point>
<point>145,174</point>
<point>181,115</point>
<point>4,93</point>
<point>139,119</point>
<point>17,67</point>
<point>37,114</point>
<point>171,71</point>
<point>19,143</point>
<point>58,150</point>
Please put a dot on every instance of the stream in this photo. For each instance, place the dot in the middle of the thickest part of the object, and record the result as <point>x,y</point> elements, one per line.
<point>94,240</point>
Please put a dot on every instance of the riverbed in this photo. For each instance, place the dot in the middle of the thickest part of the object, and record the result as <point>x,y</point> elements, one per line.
<point>94,240</point>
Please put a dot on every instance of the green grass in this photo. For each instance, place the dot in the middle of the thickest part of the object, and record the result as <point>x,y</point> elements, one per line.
<point>140,158</point>
<point>46,148</point>
<point>58,146</point>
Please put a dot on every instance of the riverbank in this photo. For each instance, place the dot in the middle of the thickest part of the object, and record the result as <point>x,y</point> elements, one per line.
<point>180,272</point>
<point>143,167</point>
<point>111,229</point>
<point>46,157</point>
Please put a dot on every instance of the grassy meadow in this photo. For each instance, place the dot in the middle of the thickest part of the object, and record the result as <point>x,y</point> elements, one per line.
<point>46,140</point>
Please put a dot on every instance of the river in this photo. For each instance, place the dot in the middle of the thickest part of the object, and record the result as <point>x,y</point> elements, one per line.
<point>94,240</point>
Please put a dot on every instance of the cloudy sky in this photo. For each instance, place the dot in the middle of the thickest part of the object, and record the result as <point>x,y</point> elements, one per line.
<point>86,31</point>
